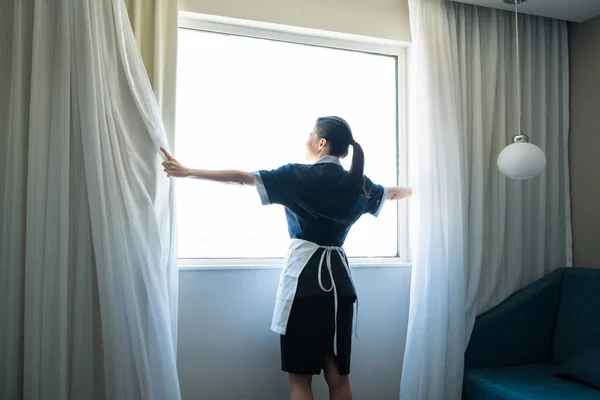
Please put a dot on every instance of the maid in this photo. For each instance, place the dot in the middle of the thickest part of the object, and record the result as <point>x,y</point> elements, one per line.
<point>314,307</point>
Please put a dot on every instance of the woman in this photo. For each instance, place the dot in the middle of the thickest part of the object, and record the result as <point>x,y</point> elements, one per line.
<point>314,304</point>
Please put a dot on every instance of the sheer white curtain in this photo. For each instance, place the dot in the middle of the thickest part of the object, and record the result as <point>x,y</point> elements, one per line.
<point>480,237</point>
<point>87,263</point>
<point>155,26</point>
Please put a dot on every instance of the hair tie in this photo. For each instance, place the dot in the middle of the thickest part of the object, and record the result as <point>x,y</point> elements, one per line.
<point>352,142</point>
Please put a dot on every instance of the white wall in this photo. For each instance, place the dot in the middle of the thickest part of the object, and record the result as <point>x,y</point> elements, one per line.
<point>387,19</point>
<point>227,352</point>
<point>584,54</point>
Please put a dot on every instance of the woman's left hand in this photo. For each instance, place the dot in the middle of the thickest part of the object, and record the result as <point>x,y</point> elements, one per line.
<point>173,167</point>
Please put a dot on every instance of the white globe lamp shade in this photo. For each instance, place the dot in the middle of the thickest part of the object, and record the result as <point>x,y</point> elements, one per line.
<point>521,159</point>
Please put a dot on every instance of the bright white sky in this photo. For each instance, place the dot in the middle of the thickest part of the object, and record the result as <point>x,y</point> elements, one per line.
<point>250,104</point>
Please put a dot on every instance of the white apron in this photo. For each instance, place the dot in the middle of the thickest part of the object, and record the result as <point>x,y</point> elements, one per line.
<point>299,253</point>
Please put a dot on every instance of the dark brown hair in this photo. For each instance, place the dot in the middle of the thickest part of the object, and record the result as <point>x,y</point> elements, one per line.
<point>338,134</point>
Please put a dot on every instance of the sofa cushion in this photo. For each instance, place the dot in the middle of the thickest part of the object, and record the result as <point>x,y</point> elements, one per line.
<point>578,318</point>
<point>584,368</point>
<point>519,331</point>
<point>529,382</point>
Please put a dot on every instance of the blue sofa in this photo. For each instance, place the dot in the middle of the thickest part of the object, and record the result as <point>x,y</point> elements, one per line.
<point>517,348</point>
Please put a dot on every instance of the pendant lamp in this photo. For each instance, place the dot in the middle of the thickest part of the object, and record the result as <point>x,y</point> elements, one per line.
<point>521,159</point>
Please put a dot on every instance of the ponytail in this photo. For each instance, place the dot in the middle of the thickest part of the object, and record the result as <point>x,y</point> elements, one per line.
<point>339,136</point>
<point>357,169</point>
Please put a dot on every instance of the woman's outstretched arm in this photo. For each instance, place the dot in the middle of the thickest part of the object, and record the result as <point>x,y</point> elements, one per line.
<point>398,193</point>
<point>175,169</point>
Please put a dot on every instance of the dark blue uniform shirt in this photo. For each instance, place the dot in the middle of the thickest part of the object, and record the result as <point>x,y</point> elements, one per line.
<point>320,203</point>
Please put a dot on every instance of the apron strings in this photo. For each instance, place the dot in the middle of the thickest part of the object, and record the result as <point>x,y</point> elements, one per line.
<point>326,256</point>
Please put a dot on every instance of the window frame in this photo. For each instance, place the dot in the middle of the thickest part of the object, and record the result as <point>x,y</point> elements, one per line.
<point>334,40</point>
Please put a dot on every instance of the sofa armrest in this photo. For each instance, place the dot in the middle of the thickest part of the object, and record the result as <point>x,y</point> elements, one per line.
<point>520,330</point>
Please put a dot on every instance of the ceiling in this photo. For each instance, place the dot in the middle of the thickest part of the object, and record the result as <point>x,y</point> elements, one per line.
<point>569,10</point>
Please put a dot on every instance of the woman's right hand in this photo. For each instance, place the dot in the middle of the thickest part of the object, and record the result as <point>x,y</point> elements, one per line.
<point>173,168</point>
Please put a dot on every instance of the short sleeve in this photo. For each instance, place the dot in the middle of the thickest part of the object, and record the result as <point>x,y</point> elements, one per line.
<point>275,186</point>
<point>377,197</point>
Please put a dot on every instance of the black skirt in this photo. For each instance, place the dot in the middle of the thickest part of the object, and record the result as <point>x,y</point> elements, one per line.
<point>309,335</point>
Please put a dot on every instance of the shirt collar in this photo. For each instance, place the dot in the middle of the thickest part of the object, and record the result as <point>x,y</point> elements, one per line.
<point>328,159</point>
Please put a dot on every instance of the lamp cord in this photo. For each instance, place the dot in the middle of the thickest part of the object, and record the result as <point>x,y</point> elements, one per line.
<point>518,66</point>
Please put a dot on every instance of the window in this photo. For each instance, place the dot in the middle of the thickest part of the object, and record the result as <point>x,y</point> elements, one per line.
<point>247,98</point>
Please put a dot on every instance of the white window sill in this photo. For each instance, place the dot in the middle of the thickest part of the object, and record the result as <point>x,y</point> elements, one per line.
<point>277,263</point>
